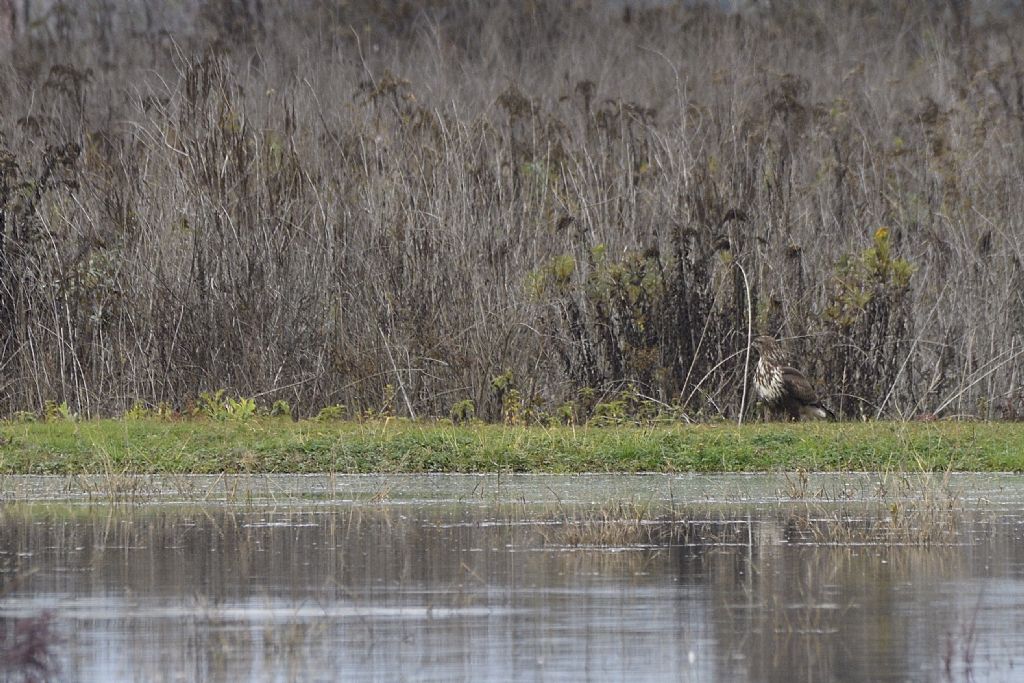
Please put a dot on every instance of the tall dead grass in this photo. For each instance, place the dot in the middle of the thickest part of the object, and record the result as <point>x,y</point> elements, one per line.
<point>389,206</point>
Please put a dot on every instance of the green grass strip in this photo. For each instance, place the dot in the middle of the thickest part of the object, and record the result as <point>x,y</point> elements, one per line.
<point>267,445</point>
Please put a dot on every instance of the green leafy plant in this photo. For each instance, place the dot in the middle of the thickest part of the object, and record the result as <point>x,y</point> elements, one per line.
<point>138,411</point>
<point>331,413</point>
<point>517,408</point>
<point>870,313</point>
<point>609,412</point>
<point>53,411</point>
<point>240,409</point>
<point>211,404</point>
<point>567,413</point>
<point>554,277</point>
<point>218,406</point>
<point>462,411</point>
<point>280,408</point>
<point>873,279</point>
<point>164,411</point>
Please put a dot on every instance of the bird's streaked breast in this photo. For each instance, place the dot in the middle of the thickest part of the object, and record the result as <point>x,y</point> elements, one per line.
<point>768,382</point>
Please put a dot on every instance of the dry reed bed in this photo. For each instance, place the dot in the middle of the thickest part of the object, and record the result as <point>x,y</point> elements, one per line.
<point>526,207</point>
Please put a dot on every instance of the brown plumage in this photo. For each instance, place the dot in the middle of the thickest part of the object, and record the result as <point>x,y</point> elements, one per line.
<point>783,388</point>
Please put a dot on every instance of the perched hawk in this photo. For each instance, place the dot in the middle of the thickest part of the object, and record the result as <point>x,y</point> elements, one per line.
<point>783,388</point>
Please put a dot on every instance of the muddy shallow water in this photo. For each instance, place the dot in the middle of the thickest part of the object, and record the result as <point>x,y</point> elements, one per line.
<point>653,577</point>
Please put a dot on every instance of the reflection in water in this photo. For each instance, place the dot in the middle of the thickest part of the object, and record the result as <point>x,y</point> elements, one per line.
<point>483,588</point>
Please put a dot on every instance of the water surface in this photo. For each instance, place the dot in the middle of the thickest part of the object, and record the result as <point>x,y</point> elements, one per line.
<point>650,577</point>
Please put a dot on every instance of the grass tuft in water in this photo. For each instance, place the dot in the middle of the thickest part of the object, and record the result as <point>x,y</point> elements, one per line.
<point>907,508</point>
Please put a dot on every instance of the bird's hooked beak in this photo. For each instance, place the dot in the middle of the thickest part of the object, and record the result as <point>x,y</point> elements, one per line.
<point>762,343</point>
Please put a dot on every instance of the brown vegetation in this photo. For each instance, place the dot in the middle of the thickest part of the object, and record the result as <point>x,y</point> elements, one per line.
<point>503,206</point>
<point>27,648</point>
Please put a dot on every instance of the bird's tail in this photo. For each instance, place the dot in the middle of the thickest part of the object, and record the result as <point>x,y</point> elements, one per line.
<point>816,410</point>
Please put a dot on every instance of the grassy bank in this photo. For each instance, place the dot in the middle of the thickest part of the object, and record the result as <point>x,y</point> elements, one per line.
<point>279,445</point>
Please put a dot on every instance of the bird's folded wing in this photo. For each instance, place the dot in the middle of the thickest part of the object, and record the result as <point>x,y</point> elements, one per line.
<point>797,386</point>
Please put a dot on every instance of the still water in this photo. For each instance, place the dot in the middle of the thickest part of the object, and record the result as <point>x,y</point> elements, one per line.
<point>546,578</point>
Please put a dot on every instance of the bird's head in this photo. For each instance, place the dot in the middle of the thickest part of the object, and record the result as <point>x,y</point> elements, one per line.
<point>767,346</point>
